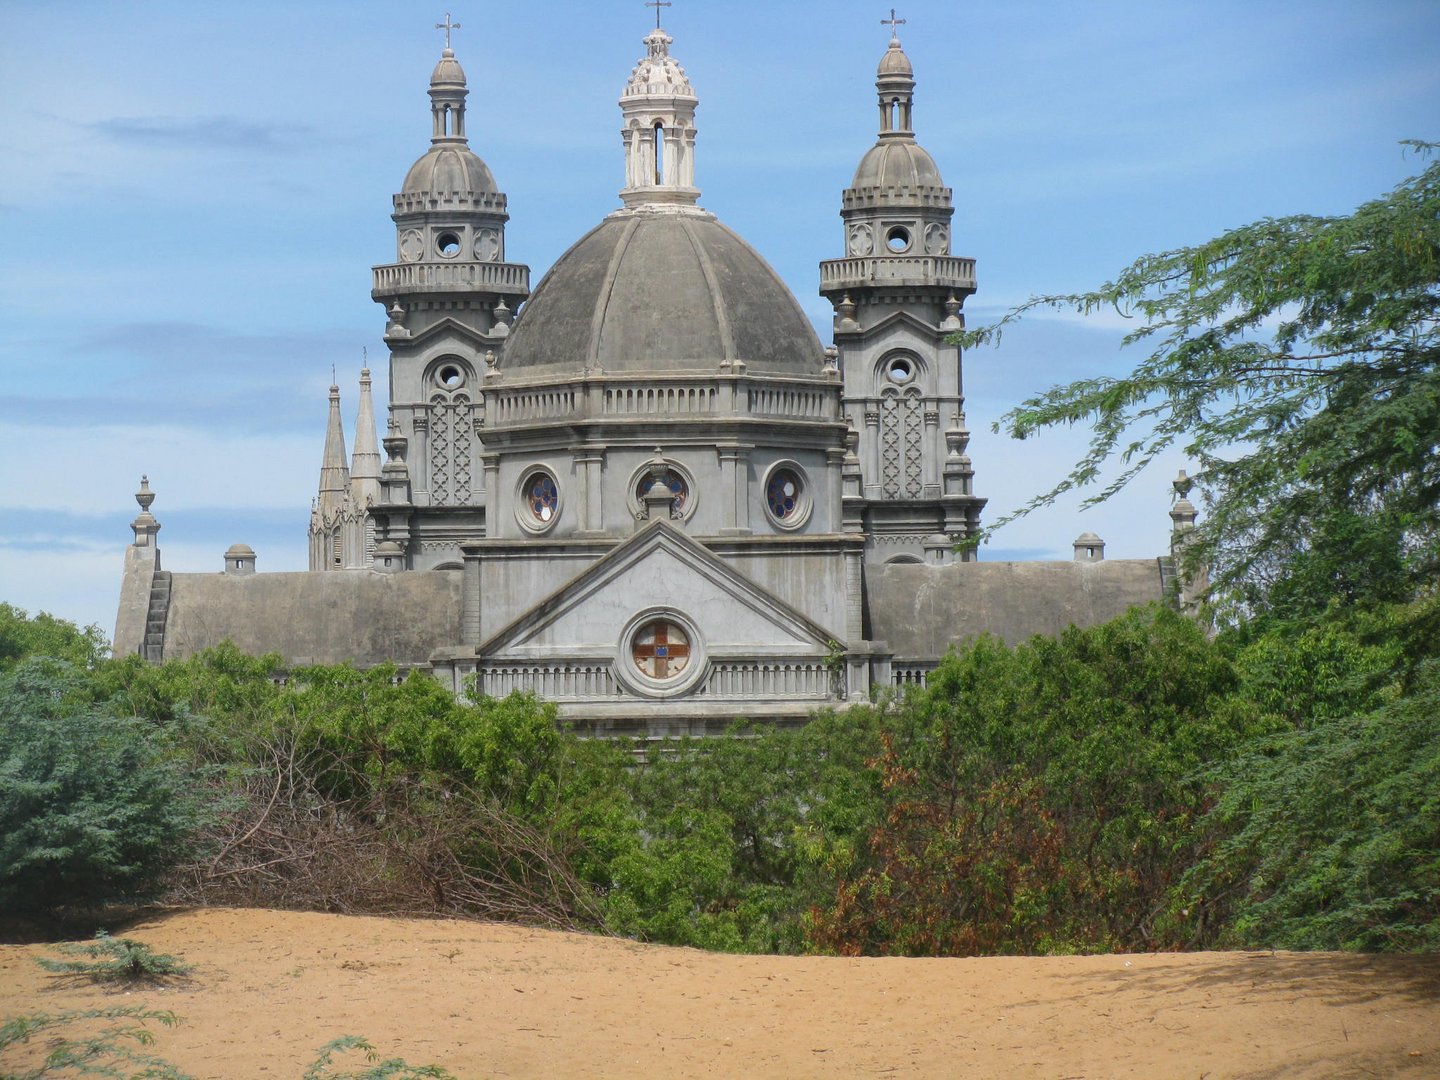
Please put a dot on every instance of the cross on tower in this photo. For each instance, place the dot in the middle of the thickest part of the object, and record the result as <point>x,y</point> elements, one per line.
<point>447,26</point>
<point>657,5</point>
<point>892,22</point>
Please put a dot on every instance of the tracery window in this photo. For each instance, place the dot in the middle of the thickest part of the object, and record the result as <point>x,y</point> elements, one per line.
<point>452,435</point>
<point>901,444</point>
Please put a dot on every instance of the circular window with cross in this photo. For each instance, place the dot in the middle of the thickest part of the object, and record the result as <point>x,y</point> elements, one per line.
<point>661,654</point>
<point>661,649</point>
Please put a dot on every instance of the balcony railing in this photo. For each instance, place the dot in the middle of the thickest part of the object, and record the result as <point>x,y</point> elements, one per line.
<point>451,277</point>
<point>943,270</point>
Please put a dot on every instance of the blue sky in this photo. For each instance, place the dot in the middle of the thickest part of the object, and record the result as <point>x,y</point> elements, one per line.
<point>192,196</point>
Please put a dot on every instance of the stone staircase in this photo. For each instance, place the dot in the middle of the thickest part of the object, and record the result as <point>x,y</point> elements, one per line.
<point>154,647</point>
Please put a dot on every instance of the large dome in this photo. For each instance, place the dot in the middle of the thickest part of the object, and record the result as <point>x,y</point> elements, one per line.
<point>661,292</point>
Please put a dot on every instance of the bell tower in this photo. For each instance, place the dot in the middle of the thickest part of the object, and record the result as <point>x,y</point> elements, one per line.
<point>897,295</point>
<point>450,297</point>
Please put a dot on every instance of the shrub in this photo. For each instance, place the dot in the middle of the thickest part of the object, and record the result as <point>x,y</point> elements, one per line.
<point>93,808</point>
<point>115,960</point>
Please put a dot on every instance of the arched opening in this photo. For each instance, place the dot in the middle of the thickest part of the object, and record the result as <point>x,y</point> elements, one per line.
<point>659,152</point>
<point>894,114</point>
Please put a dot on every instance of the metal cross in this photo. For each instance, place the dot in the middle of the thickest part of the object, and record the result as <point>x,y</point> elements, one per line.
<point>447,26</point>
<point>892,22</point>
<point>657,5</point>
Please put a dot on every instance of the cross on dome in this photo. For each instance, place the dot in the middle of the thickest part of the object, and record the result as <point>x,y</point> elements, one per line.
<point>657,5</point>
<point>447,26</point>
<point>893,22</point>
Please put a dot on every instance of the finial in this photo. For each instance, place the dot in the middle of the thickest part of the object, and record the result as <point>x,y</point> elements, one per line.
<point>447,26</point>
<point>144,496</point>
<point>893,22</point>
<point>332,375</point>
<point>364,356</point>
<point>657,5</point>
<point>1182,484</point>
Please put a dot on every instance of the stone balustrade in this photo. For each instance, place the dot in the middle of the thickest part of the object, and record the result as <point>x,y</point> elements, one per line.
<point>399,278</point>
<point>593,680</point>
<point>619,397</point>
<point>947,271</point>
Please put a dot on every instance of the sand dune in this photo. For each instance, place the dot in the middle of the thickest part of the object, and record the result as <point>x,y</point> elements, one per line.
<point>486,1000</point>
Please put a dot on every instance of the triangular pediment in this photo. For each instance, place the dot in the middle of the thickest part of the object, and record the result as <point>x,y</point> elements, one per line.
<point>660,569</point>
<point>927,332</point>
<point>453,328</point>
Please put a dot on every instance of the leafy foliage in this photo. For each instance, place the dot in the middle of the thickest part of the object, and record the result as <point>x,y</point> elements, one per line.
<point>1298,359</point>
<point>1043,798</point>
<point>115,960</point>
<point>1335,840</point>
<point>23,636</point>
<point>94,808</point>
<point>115,1051</point>
<point>323,1068</point>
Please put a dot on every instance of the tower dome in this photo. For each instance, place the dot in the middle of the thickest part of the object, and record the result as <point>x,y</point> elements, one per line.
<point>449,172</point>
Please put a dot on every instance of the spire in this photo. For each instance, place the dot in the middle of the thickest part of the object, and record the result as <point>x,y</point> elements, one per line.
<point>658,105</point>
<point>334,476</point>
<point>365,464</point>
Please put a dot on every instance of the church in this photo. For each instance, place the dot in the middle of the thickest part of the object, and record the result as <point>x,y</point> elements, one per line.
<point>645,490</point>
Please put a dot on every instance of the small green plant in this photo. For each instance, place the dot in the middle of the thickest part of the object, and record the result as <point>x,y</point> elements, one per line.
<point>115,960</point>
<point>114,1051</point>
<point>374,1069</point>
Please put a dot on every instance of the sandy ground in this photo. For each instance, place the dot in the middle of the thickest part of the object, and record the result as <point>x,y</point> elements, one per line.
<point>486,1000</point>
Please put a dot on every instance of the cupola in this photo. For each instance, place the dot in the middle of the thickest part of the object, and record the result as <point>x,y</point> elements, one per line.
<point>658,105</point>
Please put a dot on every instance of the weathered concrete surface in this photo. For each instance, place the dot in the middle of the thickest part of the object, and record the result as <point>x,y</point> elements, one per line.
<point>308,618</point>
<point>919,610</point>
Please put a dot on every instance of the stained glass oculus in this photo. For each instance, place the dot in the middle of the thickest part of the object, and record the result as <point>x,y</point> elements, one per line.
<point>671,479</point>
<point>782,493</point>
<point>660,649</point>
<point>542,497</point>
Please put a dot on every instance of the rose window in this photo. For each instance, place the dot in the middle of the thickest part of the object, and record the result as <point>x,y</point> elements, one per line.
<point>782,493</point>
<point>542,496</point>
<point>660,649</point>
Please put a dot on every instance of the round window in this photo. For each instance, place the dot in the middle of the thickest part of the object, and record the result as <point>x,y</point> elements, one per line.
<point>660,650</point>
<point>672,480</point>
<point>899,369</point>
<point>542,497</point>
<point>897,239</point>
<point>448,245</point>
<point>782,493</point>
<point>450,377</point>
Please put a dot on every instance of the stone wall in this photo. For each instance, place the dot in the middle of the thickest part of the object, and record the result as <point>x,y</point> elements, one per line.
<point>920,610</point>
<point>355,615</point>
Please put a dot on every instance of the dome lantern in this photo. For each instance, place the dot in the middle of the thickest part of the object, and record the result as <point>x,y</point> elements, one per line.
<point>658,106</point>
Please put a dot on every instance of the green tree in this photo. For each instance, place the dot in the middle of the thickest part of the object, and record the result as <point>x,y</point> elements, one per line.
<point>1334,832</point>
<point>1298,359</point>
<point>94,807</point>
<point>1045,798</point>
<point>23,635</point>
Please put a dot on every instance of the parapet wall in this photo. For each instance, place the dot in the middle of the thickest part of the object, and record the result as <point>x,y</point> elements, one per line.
<point>920,610</point>
<point>316,618</point>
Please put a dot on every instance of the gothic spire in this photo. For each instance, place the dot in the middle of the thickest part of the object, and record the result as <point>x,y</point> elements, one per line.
<point>365,464</point>
<point>334,475</point>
